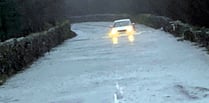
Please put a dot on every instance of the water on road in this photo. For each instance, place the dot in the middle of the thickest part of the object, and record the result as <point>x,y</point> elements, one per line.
<point>155,68</point>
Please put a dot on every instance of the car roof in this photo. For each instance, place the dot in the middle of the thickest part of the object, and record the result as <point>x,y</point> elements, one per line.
<point>121,20</point>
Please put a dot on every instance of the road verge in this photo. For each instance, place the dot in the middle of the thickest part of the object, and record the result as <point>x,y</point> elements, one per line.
<point>18,53</point>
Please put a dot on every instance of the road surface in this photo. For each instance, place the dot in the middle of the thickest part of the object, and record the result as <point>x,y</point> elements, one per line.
<point>155,68</point>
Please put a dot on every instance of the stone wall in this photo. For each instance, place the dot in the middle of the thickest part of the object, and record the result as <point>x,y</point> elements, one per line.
<point>17,53</point>
<point>97,17</point>
<point>184,31</point>
<point>151,20</point>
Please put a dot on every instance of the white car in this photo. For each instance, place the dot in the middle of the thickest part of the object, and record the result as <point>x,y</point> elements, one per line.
<point>123,26</point>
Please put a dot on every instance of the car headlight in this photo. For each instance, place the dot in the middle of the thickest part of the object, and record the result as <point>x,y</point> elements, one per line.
<point>129,28</point>
<point>114,31</point>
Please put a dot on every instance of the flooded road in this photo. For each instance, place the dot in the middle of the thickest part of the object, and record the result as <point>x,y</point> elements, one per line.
<point>155,68</point>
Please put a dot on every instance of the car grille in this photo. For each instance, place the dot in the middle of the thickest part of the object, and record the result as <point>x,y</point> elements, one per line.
<point>121,30</point>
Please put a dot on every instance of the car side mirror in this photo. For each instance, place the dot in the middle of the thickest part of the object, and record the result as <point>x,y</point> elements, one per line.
<point>133,23</point>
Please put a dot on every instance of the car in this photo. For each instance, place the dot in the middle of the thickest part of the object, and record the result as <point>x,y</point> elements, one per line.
<point>122,27</point>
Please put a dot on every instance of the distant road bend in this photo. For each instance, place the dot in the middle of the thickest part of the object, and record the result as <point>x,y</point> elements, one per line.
<point>155,68</point>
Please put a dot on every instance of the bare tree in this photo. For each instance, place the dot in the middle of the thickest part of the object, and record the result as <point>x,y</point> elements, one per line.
<point>37,13</point>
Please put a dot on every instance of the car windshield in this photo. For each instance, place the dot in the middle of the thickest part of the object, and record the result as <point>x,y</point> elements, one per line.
<point>121,23</point>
